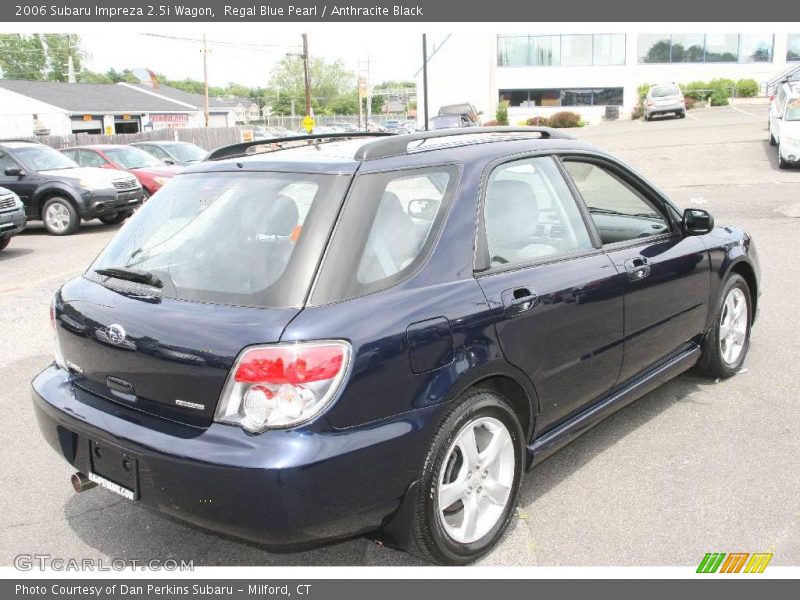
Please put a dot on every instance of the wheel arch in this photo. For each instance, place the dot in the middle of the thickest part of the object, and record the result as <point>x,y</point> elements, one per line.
<point>746,271</point>
<point>45,193</point>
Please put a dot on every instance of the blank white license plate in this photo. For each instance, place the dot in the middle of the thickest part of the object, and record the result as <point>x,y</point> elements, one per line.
<point>111,486</point>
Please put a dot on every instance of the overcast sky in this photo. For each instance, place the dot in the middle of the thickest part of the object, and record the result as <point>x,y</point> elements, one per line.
<point>247,58</point>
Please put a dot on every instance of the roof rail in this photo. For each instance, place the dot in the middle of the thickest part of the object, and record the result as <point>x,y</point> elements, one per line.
<point>398,144</point>
<point>239,150</point>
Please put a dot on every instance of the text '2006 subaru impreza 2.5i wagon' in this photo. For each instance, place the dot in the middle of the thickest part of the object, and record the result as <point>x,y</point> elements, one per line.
<point>366,334</point>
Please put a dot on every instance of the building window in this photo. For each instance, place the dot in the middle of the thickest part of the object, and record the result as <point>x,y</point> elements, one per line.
<point>560,50</point>
<point>756,47</point>
<point>562,97</point>
<point>705,48</point>
<point>793,47</point>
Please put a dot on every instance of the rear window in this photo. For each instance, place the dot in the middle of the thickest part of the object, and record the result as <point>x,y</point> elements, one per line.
<point>250,239</point>
<point>388,224</point>
<point>665,90</point>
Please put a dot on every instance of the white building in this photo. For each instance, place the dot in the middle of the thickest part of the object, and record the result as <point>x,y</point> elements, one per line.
<point>540,74</point>
<point>29,108</point>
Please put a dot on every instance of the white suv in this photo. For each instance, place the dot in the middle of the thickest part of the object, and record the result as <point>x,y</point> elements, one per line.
<point>784,123</point>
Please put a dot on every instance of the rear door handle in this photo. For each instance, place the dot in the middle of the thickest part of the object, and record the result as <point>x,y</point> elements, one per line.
<point>518,300</point>
<point>638,268</point>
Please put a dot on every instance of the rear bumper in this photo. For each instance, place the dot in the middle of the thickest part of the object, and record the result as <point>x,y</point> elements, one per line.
<point>790,154</point>
<point>12,222</point>
<point>281,488</point>
<point>675,107</point>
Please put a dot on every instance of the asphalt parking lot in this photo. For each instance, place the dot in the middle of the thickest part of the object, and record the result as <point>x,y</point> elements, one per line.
<point>694,467</point>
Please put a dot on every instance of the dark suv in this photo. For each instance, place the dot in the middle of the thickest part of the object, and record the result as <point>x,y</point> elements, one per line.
<point>381,335</point>
<point>12,216</point>
<point>56,190</point>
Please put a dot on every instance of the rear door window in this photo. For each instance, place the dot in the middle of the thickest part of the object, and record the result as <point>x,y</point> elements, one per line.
<point>388,224</point>
<point>251,239</point>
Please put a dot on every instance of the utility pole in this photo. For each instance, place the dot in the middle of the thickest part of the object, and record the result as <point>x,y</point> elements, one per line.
<point>305,74</point>
<point>205,79</point>
<point>425,78</point>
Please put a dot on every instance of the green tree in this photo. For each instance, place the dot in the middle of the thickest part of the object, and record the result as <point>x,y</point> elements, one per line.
<point>39,56</point>
<point>501,116</point>
<point>328,81</point>
<point>22,56</point>
<point>87,76</point>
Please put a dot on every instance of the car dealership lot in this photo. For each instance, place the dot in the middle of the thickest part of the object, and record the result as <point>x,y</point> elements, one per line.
<point>693,467</point>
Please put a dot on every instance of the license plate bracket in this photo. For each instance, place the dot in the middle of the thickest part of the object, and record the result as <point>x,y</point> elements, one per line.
<point>114,468</point>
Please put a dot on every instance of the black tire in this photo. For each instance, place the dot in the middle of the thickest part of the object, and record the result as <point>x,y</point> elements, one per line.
<point>116,218</point>
<point>647,117</point>
<point>66,208</point>
<point>4,242</point>
<point>711,363</point>
<point>429,539</point>
<point>682,114</point>
<point>782,164</point>
<point>146,195</point>
<point>772,141</point>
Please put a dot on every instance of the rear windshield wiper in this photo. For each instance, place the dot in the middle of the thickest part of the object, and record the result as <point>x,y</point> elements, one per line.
<point>134,275</point>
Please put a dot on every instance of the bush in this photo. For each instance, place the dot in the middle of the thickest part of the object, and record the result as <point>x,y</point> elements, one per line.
<point>696,90</point>
<point>642,91</point>
<point>491,123</point>
<point>718,98</point>
<point>565,119</point>
<point>501,116</point>
<point>637,112</point>
<point>538,122</point>
<point>722,86</point>
<point>747,88</point>
<point>690,102</point>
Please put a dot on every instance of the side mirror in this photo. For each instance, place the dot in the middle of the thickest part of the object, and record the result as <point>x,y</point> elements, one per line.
<point>169,161</point>
<point>14,172</point>
<point>480,112</point>
<point>697,221</point>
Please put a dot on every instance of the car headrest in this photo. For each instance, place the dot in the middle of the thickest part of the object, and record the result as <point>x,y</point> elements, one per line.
<point>512,212</point>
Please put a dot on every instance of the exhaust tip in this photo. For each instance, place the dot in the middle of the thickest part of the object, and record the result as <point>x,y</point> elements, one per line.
<point>81,483</point>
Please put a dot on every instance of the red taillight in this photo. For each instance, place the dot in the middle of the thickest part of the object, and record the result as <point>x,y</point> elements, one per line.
<point>287,364</point>
<point>650,103</point>
<point>281,385</point>
<point>53,315</point>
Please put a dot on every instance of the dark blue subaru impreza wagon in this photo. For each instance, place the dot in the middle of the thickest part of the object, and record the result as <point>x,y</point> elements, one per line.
<point>309,339</point>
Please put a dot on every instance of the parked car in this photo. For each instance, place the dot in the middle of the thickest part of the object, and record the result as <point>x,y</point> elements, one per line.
<point>784,123</point>
<point>150,171</point>
<point>663,99</point>
<point>465,110</point>
<point>382,336</point>
<point>345,127</point>
<point>173,153</point>
<point>12,216</point>
<point>449,122</point>
<point>56,190</point>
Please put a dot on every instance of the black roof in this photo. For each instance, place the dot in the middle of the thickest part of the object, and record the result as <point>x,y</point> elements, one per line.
<point>91,97</point>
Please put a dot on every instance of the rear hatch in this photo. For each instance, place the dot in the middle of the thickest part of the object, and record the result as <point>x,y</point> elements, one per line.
<point>214,263</point>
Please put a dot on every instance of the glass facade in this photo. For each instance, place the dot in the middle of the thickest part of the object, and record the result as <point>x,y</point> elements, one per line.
<point>793,47</point>
<point>560,50</point>
<point>563,97</point>
<point>705,47</point>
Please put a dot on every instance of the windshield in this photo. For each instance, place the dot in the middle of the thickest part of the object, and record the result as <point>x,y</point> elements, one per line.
<point>249,239</point>
<point>186,152</point>
<point>665,90</point>
<point>132,158</point>
<point>43,158</point>
<point>793,110</point>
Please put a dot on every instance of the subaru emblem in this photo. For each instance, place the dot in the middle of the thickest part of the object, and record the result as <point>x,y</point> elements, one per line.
<point>115,334</point>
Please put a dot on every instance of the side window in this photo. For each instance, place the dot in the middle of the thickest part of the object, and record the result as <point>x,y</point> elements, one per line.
<point>619,212</point>
<point>89,158</point>
<point>530,213</point>
<point>71,154</point>
<point>5,163</point>
<point>384,231</point>
<point>156,151</point>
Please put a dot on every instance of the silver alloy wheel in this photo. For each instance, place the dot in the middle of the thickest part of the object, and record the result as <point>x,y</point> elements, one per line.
<point>57,217</point>
<point>475,480</point>
<point>733,324</point>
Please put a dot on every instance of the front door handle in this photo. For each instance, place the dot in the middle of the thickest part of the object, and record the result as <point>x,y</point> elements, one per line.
<point>638,268</point>
<point>518,300</point>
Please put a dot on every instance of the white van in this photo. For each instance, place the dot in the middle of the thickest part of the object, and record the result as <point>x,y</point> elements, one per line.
<point>784,123</point>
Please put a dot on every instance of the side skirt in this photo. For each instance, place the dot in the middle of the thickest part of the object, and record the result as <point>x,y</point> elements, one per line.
<point>551,441</point>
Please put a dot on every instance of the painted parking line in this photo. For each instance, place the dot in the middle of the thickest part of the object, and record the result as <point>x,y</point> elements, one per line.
<point>691,116</point>
<point>744,112</point>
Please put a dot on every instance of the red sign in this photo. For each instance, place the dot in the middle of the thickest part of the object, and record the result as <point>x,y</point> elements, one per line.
<point>169,118</point>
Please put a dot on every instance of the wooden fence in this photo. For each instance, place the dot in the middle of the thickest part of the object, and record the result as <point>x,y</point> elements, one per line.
<point>207,138</point>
